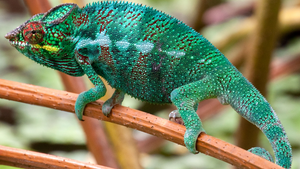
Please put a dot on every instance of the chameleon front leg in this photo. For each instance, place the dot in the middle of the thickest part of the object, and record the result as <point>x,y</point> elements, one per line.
<point>185,98</point>
<point>92,94</point>
<point>117,98</point>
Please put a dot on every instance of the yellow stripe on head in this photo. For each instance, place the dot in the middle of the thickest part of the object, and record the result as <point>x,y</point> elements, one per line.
<point>50,48</point>
<point>47,47</point>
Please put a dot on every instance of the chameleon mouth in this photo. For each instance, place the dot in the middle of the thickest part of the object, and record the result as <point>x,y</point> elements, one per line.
<point>18,43</point>
<point>12,37</point>
<point>22,45</point>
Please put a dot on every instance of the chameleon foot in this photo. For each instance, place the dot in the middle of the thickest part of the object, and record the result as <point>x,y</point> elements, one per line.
<point>174,116</point>
<point>190,139</point>
<point>116,98</point>
<point>86,97</point>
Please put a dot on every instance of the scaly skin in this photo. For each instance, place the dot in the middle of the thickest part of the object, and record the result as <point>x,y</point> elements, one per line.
<point>150,56</point>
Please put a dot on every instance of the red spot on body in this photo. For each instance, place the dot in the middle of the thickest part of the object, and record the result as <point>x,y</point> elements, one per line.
<point>104,20</point>
<point>68,25</point>
<point>134,17</point>
<point>107,58</point>
<point>82,59</point>
<point>139,70</point>
<point>83,19</point>
<point>34,49</point>
<point>103,24</point>
<point>129,12</point>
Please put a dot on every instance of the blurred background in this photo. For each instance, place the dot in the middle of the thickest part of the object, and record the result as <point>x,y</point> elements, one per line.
<point>228,24</point>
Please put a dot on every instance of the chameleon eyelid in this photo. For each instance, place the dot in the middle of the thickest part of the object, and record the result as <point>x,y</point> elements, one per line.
<point>61,19</point>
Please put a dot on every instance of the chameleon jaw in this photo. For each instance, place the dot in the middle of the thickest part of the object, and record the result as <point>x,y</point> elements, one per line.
<point>18,43</point>
<point>22,44</point>
<point>11,36</point>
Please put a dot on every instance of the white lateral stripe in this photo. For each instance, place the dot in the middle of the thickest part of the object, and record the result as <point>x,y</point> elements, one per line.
<point>177,54</point>
<point>101,40</point>
<point>144,47</point>
<point>122,45</point>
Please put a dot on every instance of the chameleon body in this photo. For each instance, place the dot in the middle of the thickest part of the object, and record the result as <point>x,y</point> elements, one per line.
<point>150,56</point>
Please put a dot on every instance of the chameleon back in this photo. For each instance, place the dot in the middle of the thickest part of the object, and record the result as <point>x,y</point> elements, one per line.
<point>146,53</point>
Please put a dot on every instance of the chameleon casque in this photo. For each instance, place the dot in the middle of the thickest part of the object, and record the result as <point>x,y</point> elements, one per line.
<point>150,56</point>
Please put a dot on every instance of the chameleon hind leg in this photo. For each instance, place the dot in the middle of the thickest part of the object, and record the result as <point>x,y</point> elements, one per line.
<point>116,98</point>
<point>185,98</point>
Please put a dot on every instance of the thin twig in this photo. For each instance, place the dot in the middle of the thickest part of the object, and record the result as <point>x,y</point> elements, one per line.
<point>30,159</point>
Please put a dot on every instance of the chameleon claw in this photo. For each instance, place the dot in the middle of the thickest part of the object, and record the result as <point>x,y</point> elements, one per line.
<point>174,116</point>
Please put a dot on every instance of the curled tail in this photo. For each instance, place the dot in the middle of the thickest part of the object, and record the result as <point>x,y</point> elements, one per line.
<point>251,105</point>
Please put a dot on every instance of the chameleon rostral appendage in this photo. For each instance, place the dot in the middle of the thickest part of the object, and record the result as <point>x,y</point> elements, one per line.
<point>150,56</point>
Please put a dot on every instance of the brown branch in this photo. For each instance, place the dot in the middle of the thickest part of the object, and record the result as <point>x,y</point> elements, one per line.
<point>148,123</point>
<point>202,7</point>
<point>283,67</point>
<point>37,6</point>
<point>124,146</point>
<point>29,159</point>
<point>226,11</point>
<point>120,135</point>
<point>288,21</point>
<point>96,139</point>
<point>150,144</point>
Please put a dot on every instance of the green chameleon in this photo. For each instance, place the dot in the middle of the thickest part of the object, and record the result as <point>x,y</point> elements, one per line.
<point>150,56</point>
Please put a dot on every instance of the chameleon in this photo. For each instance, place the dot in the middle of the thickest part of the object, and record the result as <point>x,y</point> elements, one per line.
<point>148,55</point>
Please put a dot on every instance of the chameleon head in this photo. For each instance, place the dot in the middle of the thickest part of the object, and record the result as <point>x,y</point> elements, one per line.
<point>46,39</point>
<point>30,39</point>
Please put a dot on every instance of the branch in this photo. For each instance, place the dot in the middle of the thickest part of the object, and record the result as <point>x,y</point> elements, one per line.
<point>288,22</point>
<point>29,159</point>
<point>96,139</point>
<point>142,121</point>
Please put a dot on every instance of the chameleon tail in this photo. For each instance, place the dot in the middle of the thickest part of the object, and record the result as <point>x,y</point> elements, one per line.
<point>250,104</point>
<point>262,153</point>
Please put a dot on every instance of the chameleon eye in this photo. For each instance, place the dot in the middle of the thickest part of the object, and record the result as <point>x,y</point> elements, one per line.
<point>33,33</point>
